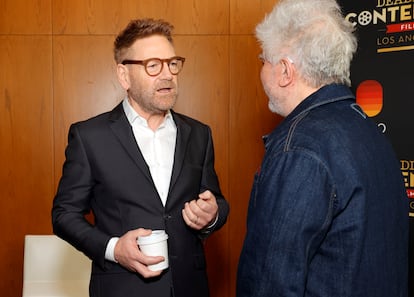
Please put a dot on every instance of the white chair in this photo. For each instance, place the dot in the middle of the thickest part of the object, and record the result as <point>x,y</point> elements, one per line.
<point>52,267</point>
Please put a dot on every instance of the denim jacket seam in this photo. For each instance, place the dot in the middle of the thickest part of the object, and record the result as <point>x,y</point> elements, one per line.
<point>333,194</point>
<point>292,131</point>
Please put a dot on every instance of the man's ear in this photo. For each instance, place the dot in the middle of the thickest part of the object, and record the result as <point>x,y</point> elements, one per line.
<point>288,72</point>
<point>123,76</point>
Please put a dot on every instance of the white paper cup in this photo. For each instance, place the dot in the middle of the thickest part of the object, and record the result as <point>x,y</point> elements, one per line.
<point>155,245</point>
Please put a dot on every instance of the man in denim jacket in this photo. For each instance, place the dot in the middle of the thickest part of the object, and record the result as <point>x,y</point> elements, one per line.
<point>328,213</point>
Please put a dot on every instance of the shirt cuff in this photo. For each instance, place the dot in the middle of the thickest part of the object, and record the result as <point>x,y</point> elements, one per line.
<point>110,249</point>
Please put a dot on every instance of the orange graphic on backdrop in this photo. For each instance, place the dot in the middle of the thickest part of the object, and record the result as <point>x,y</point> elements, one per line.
<point>369,96</point>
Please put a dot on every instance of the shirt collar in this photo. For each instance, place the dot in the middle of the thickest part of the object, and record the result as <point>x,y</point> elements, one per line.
<point>133,116</point>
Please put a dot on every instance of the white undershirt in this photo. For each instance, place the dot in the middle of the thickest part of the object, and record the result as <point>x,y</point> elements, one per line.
<point>158,149</point>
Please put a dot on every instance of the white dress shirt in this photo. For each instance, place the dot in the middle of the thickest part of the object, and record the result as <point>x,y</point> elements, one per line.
<point>157,147</point>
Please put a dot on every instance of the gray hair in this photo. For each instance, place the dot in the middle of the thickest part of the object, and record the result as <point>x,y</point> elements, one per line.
<point>314,35</point>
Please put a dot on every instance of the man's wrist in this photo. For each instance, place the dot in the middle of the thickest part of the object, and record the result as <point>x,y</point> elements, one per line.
<point>210,227</point>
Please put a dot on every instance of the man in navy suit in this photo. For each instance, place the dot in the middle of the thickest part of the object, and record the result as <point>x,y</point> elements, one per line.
<point>138,168</point>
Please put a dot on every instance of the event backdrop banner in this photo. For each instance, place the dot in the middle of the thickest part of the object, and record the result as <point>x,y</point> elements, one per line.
<point>383,80</point>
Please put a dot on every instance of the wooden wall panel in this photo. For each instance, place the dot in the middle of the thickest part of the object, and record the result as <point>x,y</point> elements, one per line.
<point>246,14</point>
<point>204,89</point>
<point>204,95</point>
<point>26,149</point>
<point>85,84</point>
<point>25,17</point>
<point>250,119</point>
<point>108,17</point>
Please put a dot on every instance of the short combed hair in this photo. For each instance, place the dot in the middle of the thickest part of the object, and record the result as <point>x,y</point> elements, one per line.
<point>137,29</point>
<point>315,35</point>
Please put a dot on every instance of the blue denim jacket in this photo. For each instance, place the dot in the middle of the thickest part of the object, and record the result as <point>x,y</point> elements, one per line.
<point>328,212</point>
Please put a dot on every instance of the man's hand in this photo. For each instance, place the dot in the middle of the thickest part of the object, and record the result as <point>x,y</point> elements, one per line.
<point>128,254</point>
<point>200,213</point>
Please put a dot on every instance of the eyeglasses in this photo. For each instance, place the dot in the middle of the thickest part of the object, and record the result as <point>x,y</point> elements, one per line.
<point>154,66</point>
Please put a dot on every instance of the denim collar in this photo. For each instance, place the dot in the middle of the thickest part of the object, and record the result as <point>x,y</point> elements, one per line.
<point>325,95</point>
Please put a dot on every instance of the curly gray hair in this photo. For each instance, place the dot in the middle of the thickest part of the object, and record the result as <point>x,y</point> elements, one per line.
<point>313,34</point>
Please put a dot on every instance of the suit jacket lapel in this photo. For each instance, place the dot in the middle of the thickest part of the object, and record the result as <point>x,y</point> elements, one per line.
<point>123,131</point>
<point>183,134</point>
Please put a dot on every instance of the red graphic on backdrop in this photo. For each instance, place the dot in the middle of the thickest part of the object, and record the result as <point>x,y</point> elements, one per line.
<point>402,27</point>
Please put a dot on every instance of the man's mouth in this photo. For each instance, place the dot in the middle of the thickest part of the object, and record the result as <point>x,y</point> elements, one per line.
<point>164,90</point>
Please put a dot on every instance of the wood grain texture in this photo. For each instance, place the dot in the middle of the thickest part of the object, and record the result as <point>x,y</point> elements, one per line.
<point>25,17</point>
<point>26,149</point>
<point>246,14</point>
<point>84,84</point>
<point>109,17</point>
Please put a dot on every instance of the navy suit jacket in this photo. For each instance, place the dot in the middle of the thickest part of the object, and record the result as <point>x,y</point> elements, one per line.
<point>105,172</point>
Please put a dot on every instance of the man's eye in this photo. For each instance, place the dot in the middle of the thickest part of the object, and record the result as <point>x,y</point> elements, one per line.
<point>152,65</point>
